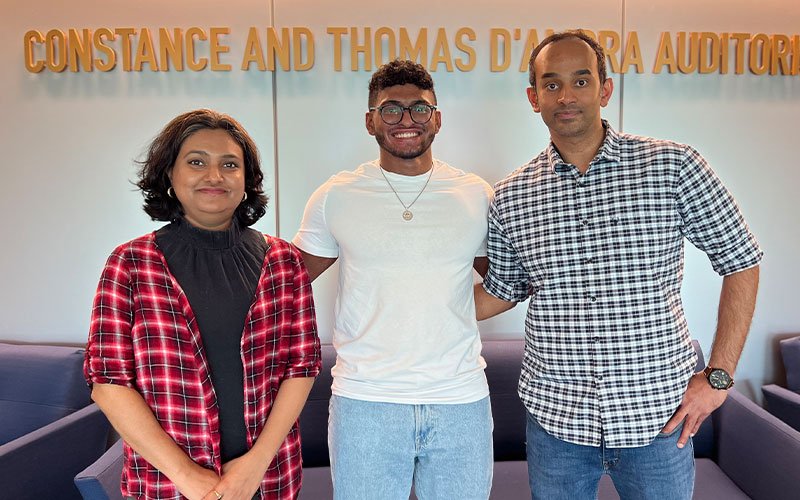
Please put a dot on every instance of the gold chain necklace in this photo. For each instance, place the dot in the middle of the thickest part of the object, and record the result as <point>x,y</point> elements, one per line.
<point>407,213</point>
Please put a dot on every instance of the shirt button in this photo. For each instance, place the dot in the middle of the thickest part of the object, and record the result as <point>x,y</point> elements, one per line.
<point>592,298</point>
<point>588,260</point>
<point>585,222</point>
<point>596,339</point>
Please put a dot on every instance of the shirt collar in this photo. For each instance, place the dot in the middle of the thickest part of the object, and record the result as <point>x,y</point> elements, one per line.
<point>608,152</point>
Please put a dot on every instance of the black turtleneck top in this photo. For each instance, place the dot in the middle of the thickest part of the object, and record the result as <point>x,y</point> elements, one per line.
<point>219,272</point>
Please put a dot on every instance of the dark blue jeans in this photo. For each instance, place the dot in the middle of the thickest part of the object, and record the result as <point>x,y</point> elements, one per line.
<point>561,470</point>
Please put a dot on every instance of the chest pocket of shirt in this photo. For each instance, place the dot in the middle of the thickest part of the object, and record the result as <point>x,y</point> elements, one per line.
<point>642,231</point>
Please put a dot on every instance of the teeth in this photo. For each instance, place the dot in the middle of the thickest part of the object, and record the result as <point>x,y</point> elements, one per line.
<point>405,135</point>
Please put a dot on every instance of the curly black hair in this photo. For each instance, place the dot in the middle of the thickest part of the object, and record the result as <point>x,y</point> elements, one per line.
<point>163,152</point>
<point>399,72</point>
<point>555,37</point>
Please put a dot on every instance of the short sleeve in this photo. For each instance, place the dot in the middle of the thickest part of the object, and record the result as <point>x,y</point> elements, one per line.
<point>506,279</point>
<point>711,219</point>
<point>109,351</point>
<point>314,235</point>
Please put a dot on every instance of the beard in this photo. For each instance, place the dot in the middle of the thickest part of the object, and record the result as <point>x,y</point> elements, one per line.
<point>408,153</point>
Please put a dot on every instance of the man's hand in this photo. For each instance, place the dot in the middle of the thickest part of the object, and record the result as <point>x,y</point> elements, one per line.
<point>240,478</point>
<point>699,400</point>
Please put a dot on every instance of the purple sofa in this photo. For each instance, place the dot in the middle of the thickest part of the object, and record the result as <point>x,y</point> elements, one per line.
<point>48,429</point>
<point>742,451</point>
<point>784,402</point>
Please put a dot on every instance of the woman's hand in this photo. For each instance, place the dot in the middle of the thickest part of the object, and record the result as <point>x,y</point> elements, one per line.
<point>198,483</point>
<point>241,478</point>
<point>134,420</point>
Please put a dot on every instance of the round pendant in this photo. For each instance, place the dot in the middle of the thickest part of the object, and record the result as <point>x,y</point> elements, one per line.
<point>407,215</point>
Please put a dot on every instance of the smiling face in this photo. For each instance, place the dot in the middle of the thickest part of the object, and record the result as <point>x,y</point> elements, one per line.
<point>208,178</point>
<point>568,91</point>
<point>405,141</point>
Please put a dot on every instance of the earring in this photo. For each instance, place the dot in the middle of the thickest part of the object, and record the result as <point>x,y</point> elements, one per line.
<point>170,192</point>
<point>244,198</point>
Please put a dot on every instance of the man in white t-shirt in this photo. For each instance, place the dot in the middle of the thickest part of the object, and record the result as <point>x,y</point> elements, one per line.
<point>410,400</point>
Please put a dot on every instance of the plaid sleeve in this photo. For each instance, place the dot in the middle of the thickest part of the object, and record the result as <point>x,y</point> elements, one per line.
<point>109,352</point>
<point>305,359</point>
<point>489,193</point>
<point>711,219</point>
<point>506,279</point>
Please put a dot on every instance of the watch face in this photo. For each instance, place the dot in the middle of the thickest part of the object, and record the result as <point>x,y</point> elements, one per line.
<point>719,379</point>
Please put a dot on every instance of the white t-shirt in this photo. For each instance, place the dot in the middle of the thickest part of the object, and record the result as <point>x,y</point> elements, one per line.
<point>404,328</point>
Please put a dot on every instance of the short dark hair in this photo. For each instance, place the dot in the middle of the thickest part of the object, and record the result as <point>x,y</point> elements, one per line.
<point>163,152</point>
<point>399,72</point>
<point>556,37</point>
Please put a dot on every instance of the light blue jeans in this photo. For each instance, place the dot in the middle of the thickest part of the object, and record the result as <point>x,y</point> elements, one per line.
<point>561,470</point>
<point>378,449</point>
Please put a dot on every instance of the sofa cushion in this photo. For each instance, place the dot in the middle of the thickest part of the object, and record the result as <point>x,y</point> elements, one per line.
<point>757,450</point>
<point>790,352</point>
<point>510,481</point>
<point>503,365</point>
<point>317,483</point>
<point>711,483</point>
<point>38,385</point>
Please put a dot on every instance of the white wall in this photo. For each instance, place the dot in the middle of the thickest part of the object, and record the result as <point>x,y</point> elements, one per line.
<point>69,139</point>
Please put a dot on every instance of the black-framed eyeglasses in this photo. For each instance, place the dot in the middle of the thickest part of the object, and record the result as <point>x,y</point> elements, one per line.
<point>392,114</point>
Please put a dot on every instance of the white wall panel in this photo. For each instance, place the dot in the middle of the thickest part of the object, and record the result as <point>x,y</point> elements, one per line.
<point>746,126</point>
<point>69,141</point>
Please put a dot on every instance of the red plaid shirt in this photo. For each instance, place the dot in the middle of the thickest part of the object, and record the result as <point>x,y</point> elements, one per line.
<point>144,335</point>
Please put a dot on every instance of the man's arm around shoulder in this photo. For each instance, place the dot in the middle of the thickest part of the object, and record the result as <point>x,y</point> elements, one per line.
<point>487,305</point>
<point>315,264</point>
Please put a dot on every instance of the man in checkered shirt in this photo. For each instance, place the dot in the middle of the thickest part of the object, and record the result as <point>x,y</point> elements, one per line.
<point>592,231</point>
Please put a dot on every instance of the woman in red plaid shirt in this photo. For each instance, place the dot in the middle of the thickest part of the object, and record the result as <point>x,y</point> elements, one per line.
<point>203,344</point>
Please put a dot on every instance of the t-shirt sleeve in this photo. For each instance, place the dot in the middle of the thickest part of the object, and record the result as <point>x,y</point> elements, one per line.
<point>711,219</point>
<point>109,351</point>
<point>314,235</point>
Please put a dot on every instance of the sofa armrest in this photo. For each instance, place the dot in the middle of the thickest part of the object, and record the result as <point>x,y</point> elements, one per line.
<point>101,480</point>
<point>783,403</point>
<point>756,450</point>
<point>42,463</point>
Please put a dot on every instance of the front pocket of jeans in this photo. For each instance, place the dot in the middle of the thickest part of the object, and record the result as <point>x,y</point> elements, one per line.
<point>664,435</point>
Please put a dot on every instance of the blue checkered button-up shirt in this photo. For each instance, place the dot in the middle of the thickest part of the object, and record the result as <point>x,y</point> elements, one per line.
<point>607,348</point>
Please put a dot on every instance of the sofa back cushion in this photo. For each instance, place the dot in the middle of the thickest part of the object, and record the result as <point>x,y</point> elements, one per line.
<point>503,364</point>
<point>314,418</point>
<point>38,385</point>
<point>790,351</point>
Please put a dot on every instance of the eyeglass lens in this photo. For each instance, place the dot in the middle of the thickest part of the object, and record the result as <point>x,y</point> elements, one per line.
<point>393,113</point>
